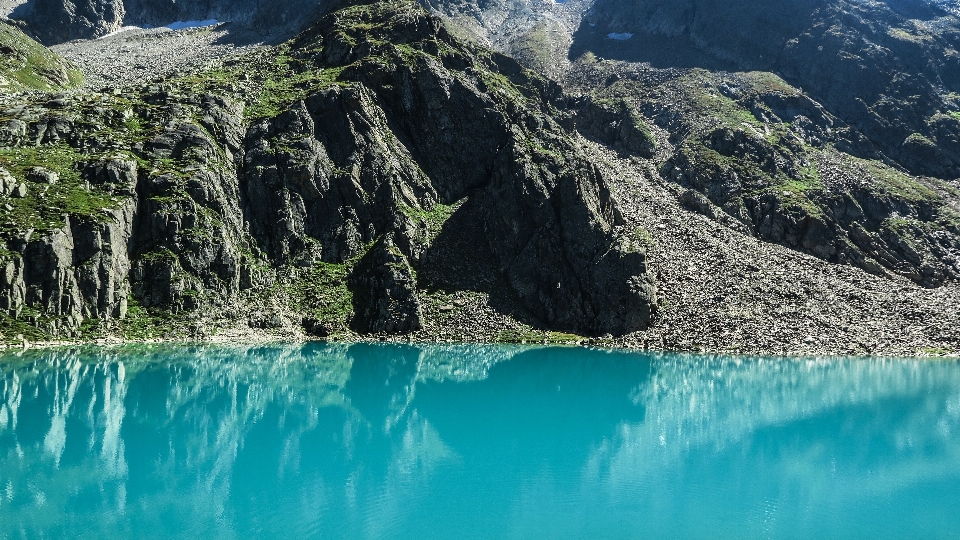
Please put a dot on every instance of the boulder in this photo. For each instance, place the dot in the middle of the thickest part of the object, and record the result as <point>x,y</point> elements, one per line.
<point>385,291</point>
<point>41,175</point>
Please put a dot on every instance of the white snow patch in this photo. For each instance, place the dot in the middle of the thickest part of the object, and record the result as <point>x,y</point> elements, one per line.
<point>619,37</point>
<point>120,31</point>
<point>183,25</point>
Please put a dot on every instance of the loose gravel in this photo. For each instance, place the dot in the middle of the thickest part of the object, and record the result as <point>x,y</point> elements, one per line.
<point>724,290</point>
<point>135,56</point>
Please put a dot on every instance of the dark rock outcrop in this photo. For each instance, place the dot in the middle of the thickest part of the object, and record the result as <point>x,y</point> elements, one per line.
<point>385,291</point>
<point>885,68</point>
<point>835,208</point>
<point>617,124</point>
<point>396,123</point>
<point>409,128</point>
<point>57,21</point>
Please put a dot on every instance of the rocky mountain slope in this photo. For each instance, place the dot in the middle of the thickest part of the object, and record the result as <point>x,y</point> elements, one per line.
<point>57,21</point>
<point>755,153</point>
<point>326,199</point>
<point>27,65</point>
<point>889,69</point>
<point>686,183</point>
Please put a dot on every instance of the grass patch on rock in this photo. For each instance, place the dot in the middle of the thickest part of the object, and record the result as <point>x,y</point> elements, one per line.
<point>44,206</point>
<point>538,336</point>
<point>321,293</point>
<point>142,324</point>
<point>11,327</point>
<point>27,65</point>
<point>431,220</point>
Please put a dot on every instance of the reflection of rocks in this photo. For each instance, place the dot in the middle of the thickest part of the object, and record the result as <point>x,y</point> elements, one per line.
<point>719,402</point>
<point>353,424</point>
<point>461,363</point>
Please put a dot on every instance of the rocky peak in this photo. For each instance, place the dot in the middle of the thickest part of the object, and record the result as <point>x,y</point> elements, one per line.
<point>419,118</point>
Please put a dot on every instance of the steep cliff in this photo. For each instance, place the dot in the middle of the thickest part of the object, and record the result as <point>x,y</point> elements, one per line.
<point>309,185</point>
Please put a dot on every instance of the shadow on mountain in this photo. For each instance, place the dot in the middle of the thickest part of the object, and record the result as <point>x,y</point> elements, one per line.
<point>460,258</point>
<point>661,52</point>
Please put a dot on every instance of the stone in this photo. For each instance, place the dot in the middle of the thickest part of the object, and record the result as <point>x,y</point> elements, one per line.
<point>7,183</point>
<point>42,176</point>
<point>20,191</point>
<point>384,291</point>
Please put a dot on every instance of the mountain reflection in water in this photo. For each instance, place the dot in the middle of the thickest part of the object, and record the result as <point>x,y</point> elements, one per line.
<point>472,441</point>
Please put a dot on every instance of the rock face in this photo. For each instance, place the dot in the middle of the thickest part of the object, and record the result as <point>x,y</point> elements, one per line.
<point>56,21</point>
<point>536,33</point>
<point>354,162</point>
<point>59,21</point>
<point>615,123</point>
<point>751,149</point>
<point>385,291</point>
<point>885,68</point>
<point>379,124</point>
<point>75,273</point>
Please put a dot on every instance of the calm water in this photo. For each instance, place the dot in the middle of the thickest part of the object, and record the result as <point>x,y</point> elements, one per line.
<point>379,441</point>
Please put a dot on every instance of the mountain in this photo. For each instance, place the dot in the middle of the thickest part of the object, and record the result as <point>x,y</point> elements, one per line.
<point>538,33</point>
<point>57,21</point>
<point>318,183</point>
<point>889,69</point>
<point>742,176</point>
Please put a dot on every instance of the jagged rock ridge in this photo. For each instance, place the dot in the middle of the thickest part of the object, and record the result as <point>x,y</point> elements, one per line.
<point>180,202</point>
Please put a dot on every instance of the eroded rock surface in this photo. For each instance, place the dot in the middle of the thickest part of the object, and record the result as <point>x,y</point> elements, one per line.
<point>386,124</point>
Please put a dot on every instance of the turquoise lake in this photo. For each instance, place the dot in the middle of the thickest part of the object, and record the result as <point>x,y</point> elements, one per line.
<point>473,441</point>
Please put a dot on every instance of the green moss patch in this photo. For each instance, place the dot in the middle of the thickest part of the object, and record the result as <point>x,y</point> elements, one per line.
<point>432,220</point>
<point>27,65</point>
<point>538,336</point>
<point>287,83</point>
<point>321,293</point>
<point>886,179</point>
<point>11,327</point>
<point>142,324</point>
<point>45,205</point>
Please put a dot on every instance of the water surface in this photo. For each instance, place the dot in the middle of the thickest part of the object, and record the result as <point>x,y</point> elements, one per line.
<point>385,441</point>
